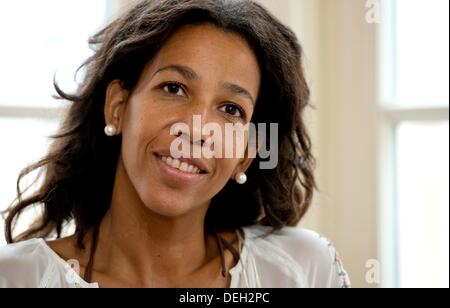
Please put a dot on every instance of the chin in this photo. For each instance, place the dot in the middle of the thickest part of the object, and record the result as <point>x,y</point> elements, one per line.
<point>171,206</point>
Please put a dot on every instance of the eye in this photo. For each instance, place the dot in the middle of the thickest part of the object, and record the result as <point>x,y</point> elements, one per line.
<point>233,110</point>
<point>173,88</point>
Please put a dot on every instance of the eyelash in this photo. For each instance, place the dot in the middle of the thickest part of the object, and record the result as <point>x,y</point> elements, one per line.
<point>239,109</point>
<point>171,83</point>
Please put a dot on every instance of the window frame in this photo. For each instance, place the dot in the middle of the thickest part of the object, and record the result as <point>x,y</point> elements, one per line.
<point>391,115</point>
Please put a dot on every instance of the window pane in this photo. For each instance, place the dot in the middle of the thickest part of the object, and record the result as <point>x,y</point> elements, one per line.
<point>24,141</point>
<point>39,38</point>
<point>422,52</point>
<point>423,204</point>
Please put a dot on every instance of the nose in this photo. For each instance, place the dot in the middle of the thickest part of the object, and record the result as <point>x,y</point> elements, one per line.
<point>196,116</point>
<point>190,137</point>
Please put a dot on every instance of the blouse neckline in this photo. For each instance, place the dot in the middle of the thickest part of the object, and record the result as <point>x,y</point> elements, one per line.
<point>84,284</point>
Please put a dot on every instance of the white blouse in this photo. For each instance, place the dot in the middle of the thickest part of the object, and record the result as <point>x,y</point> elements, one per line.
<point>288,258</point>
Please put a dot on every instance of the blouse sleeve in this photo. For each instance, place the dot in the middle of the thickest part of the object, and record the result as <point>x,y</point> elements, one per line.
<point>338,276</point>
<point>21,265</point>
<point>316,258</point>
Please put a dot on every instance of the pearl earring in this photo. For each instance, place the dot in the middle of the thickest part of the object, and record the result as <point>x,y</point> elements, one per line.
<point>110,130</point>
<point>241,178</point>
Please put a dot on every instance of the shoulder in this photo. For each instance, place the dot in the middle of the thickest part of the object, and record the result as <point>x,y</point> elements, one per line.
<point>33,264</point>
<point>307,255</point>
<point>23,264</point>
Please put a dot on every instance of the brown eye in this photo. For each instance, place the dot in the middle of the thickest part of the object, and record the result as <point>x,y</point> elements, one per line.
<point>233,110</point>
<point>173,89</point>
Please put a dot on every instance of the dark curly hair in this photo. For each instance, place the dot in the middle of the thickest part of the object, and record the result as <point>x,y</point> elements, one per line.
<point>79,170</point>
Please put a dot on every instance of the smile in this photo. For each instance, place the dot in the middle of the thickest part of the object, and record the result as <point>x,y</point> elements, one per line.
<point>182,166</point>
<point>177,171</point>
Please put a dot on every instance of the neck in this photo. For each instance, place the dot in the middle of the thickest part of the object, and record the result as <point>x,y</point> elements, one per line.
<point>137,244</point>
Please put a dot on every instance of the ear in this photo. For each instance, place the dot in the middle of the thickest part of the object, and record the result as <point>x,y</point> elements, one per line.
<point>115,100</point>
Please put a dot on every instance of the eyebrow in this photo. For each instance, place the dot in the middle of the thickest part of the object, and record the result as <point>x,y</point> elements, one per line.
<point>238,90</point>
<point>185,71</point>
<point>189,73</point>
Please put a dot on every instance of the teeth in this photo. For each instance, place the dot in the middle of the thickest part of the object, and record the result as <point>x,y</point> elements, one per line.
<point>175,163</point>
<point>184,167</point>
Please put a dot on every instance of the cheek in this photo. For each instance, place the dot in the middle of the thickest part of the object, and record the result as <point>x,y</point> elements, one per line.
<point>231,144</point>
<point>142,122</point>
<point>225,169</point>
<point>139,127</point>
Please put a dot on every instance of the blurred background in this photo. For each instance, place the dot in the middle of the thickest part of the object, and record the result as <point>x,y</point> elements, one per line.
<point>379,72</point>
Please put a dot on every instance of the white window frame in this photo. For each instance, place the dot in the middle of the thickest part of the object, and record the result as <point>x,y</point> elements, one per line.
<point>390,117</point>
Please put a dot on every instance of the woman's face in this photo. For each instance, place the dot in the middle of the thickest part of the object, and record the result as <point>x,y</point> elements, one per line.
<point>201,70</point>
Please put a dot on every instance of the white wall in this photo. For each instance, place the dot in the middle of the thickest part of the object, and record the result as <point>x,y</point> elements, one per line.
<point>348,122</point>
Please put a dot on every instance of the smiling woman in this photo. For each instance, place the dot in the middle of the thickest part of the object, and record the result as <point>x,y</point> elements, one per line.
<point>146,218</point>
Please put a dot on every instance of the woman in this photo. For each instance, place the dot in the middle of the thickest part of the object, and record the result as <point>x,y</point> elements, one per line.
<point>147,219</point>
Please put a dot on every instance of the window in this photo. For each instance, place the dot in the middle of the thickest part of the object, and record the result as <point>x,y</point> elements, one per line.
<point>414,81</point>
<point>422,187</point>
<point>38,39</point>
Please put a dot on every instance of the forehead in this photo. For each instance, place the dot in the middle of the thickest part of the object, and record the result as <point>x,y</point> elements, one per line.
<point>212,52</point>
